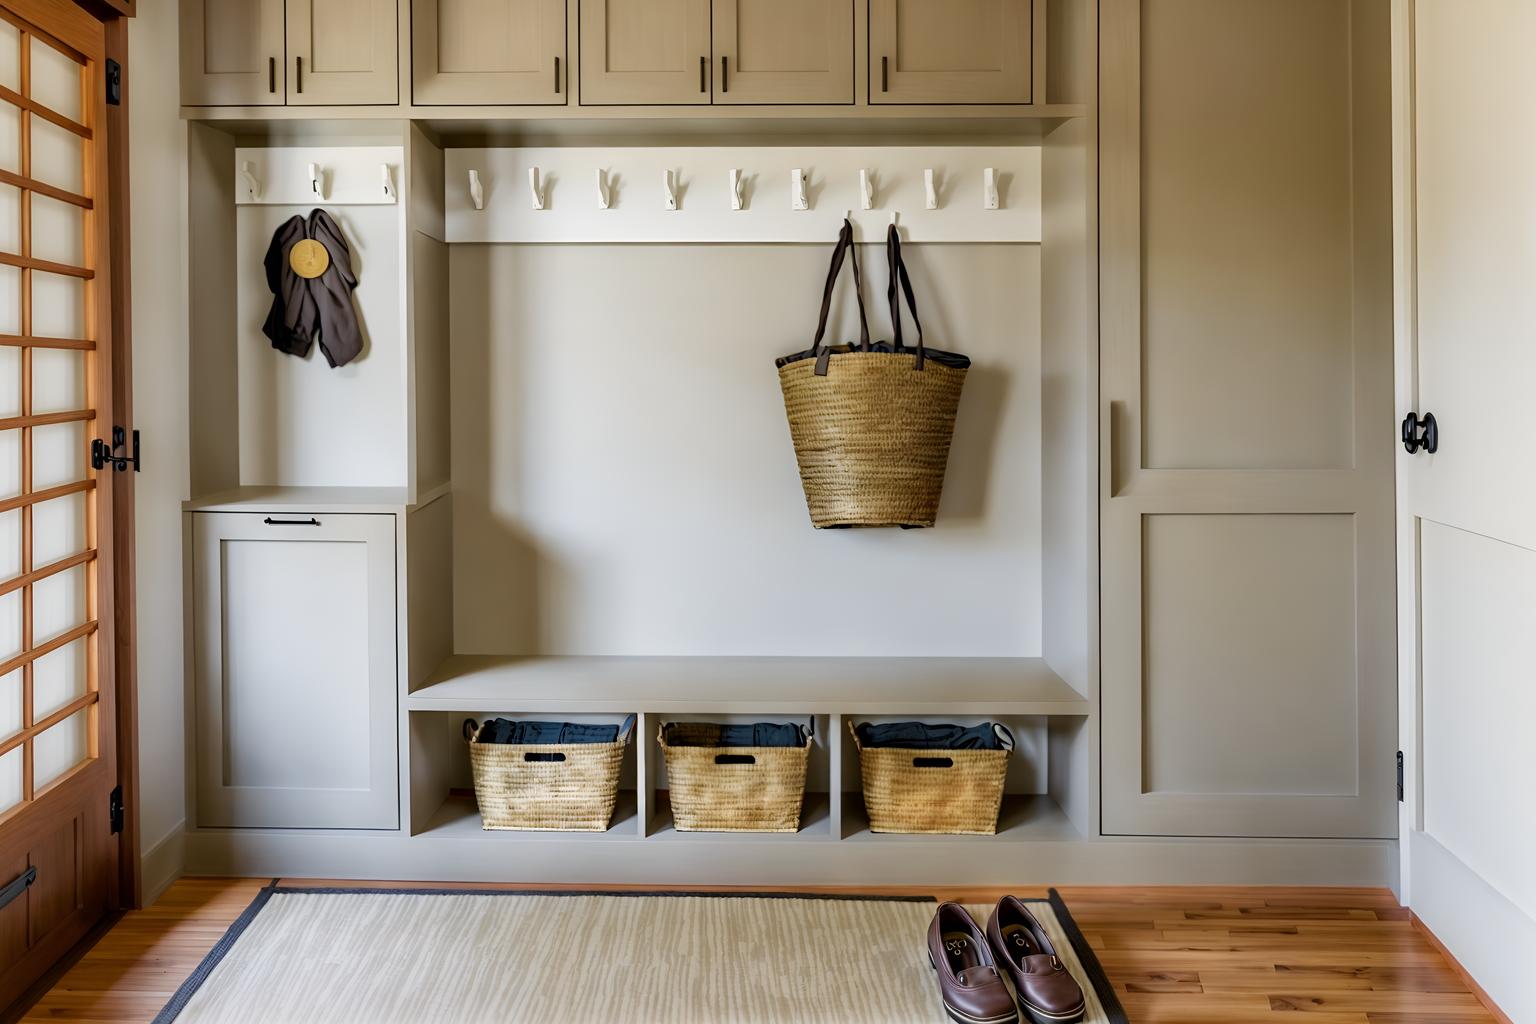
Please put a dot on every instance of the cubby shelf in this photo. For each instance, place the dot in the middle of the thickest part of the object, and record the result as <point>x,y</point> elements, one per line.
<point>815,824</point>
<point>459,818</point>
<point>757,685</point>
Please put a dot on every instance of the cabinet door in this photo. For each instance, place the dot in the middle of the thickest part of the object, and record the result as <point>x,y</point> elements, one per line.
<point>783,51</point>
<point>294,670</point>
<point>1247,550</point>
<point>488,51</point>
<point>232,52</point>
<point>645,51</point>
<point>342,51</point>
<point>950,51</point>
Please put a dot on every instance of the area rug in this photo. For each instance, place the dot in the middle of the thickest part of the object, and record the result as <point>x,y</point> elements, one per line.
<point>460,956</point>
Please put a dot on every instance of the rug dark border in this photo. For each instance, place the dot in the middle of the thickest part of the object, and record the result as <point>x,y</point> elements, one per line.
<point>195,980</point>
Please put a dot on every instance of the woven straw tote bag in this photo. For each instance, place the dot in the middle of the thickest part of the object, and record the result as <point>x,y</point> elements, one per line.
<point>871,423</point>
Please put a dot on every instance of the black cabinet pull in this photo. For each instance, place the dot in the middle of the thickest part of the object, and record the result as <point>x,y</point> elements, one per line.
<point>557,75</point>
<point>298,74</point>
<point>271,74</point>
<point>311,521</point>
<point>703,74</point>
<point>885,74</point>
<point>725,81</point>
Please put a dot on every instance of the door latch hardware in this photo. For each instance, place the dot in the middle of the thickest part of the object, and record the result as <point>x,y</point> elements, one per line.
<point>1399,776</point>
<point>17,886</point>
<point>103,454</point>
<point>115,809</point>
<point>1421,433</point>
<point>114,83</point>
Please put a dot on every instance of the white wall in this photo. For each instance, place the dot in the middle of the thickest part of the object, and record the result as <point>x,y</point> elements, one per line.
<point>157,169</point>
<point>623,476</point>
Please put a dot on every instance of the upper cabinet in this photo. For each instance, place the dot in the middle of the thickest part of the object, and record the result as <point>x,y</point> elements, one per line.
<point>645,51</point>
<point>488,51</point>
<point>950,51</point>
<point>232,52</point>
<point>298,52</point>
<point>783,51</point>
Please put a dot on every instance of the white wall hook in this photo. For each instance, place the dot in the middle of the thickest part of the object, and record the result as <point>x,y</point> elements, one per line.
<point>389,182</point>
<point>535,192</point>
<point>248,172</point>
<point>602,189</point>
<point>929,189</point>
<point>314,180</point>
<point>669,190</point>
<point>797,200</point>
<point>989,188</point>
<point>476,190</point>
<point>866,189</point>
<point>894,215</point>
<point>735,179</point>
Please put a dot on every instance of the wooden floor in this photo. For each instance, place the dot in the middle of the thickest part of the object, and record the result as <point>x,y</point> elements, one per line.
<point>1185,955</point>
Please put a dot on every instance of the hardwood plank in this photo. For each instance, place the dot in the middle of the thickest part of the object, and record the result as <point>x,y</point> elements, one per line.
<point>1324,964</point>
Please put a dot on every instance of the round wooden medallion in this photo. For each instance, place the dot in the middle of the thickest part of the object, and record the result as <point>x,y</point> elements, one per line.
<point>308,258</point>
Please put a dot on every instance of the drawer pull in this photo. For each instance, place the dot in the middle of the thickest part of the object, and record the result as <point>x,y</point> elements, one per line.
<point>311,521</point>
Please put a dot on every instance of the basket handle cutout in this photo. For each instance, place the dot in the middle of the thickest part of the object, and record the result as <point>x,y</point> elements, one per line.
<point>543,755</point>
<point>933,762</point>
<point>735,759</point>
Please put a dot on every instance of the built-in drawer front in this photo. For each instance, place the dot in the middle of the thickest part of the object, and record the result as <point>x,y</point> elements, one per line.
<point>489,52</point>
<point>950,51</point>
<point>294,669</point>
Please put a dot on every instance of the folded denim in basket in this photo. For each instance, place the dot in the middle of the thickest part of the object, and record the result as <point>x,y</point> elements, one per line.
<point>924,736</point>
<point>501,730</point>
<point>759,734</point>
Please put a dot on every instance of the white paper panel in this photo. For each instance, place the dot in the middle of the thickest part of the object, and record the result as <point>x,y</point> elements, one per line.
<point>59,677</point>
<point>57,156</point>
<point>59,749</point>
<point>10,56</point>
<point>58,380</point>
<point>10,544</point>
<point>10,625</point>
<point>58,306</point>
<point>58,454</point>
<point>10,704</point>
<point>10,463</point>
<point>637,214</point>
<point>10,300</point>
<point>10,779</point>
<point>10,219</point>
<point>58,231</point>
<point>55,80</point>
<point>58,529</point>
<point>58,604</point>
<point>10,138</point>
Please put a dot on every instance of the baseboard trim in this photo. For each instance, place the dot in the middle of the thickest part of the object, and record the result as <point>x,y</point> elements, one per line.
<point>164,862</point>
<point>1466,976</point>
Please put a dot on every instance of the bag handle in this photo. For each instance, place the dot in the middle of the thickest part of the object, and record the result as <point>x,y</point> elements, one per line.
<point>845,246</point>
<point>469,729</point>
<point>1004,735</point>
<point>898,269</point>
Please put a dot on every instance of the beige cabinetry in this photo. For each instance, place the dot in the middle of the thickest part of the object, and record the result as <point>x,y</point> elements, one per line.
<point>1246,337</point>
<point>950,51</point>
<point>645,51</point>
<point>489,51</point>
<point>296,52</point>
<point>783,51</point>
<point>232,53</point>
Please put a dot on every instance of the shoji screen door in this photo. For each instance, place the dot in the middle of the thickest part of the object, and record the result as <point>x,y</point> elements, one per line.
<point>57,756</point>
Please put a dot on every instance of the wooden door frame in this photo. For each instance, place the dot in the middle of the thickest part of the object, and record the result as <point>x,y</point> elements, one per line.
<point>129,888</point>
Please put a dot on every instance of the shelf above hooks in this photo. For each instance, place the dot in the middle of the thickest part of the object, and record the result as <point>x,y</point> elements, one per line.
<point>746,194</point>
<point>317,175</point>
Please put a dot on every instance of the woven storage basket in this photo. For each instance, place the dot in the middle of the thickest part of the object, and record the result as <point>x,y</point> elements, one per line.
<point>871,424</point>
<point>951,792</point>
<point>731,789</point>
<point>547,787</point>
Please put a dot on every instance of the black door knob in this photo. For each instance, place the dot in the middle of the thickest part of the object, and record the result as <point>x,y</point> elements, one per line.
<point>1420,433</point>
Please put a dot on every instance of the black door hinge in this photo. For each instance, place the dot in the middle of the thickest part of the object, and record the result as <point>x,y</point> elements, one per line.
<point>114,82</point>
<point>115,809</point>
<point>103,454</point>
<point>1399,776</point>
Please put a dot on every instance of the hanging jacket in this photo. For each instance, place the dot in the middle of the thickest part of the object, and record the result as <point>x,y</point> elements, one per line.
<point>306,310</point>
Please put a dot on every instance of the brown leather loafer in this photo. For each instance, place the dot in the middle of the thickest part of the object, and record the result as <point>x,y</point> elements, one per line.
<point>972,990</point>
<point>1048,994</point>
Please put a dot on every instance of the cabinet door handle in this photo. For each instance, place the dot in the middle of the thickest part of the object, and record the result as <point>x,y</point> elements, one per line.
<point>725,82</point>
<point>272,74</point>
<point>703,74</point>
<point>311,521</point>
<point>885,74</point>
<point>557,74</point>
<point>298,74</point>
